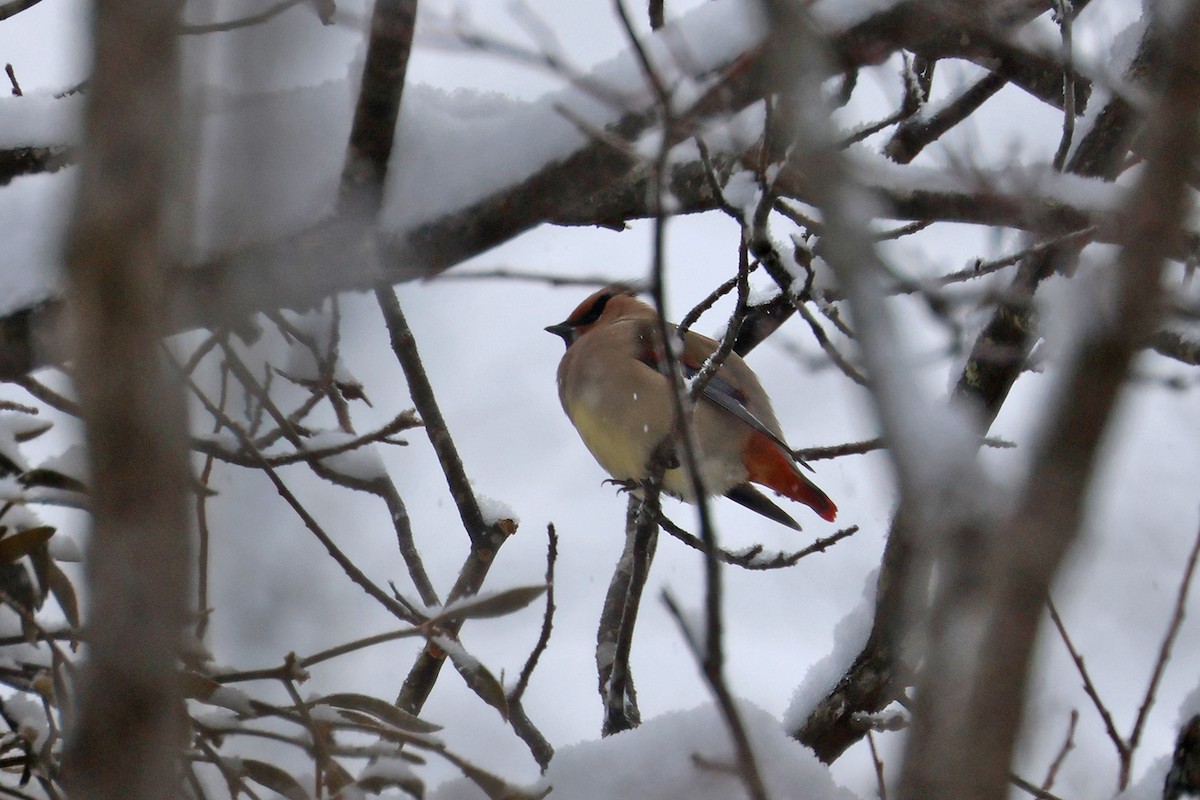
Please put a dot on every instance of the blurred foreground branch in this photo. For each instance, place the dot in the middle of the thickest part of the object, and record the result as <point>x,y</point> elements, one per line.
<point>126,740</point>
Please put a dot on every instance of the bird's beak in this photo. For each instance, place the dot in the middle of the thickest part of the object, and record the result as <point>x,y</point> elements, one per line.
<point>563,331</point>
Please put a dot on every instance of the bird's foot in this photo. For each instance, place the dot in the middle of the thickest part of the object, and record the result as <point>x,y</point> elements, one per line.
<point>622,486</point>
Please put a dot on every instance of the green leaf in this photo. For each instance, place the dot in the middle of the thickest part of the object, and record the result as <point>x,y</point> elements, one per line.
<point>379,709</point>
<point>492,605</point>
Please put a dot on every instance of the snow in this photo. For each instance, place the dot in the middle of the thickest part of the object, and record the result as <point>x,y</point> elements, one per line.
<point>9,449</point>
<point>269,163</point>
<point>742,192</point>
<point>494,510</point>
<point>454,147</point>
<point>234,699</point>
<point>1150,785</point>
<point>849,637</point>
<point>329,714</point>
<point>453,648</point>
<point>226,439</point>
<point>219,720</point>
<point>72,462</point>
<point>389,771</point>
<point>271,158</point>
<point>655,762</point>
<point>362,463</point>
<point>762,294</point>
<point>34,209</point>
<point>30,718</point>
<point>840,15</point>
<point>64,547</point>
<point>1024,183</point>
<point>39,119</point>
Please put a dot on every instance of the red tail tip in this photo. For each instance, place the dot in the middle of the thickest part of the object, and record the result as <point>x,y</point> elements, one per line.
<point>769,466</point>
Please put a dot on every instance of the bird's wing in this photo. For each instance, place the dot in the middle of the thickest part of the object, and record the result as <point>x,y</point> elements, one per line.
<point>718,391</point>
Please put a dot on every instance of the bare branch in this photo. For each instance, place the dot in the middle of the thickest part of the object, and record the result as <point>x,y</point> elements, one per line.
<point>1110,726</point>
<point>1164,656</point>
<point>243,22</point>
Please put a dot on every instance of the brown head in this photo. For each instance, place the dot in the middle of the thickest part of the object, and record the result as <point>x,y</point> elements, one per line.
<point>604,307</point>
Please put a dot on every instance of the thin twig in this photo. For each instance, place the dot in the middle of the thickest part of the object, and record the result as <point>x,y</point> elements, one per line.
<point>1034,791</point>
<point>753,558</point>
<point>747,766</point>
<point>1089,687</point>
<point>1067,746</point>
<point>880,783</point>
<point>1164,654</point>
<point>404,345</point>
<point>717,358</point>
<point>506,273</point>
<point>547,618</point>
<point>840,361</point>
<point>380,486</point>
<point>348,566</point>
<point>486,537</point>
<point>541,749</point>
<point>405,420</point>
<point>202,517</point>
<point>12,78</point>
<point>241,22</point>
<point>1065,14</point>
<point>47,395</point>
<point>704,305</point>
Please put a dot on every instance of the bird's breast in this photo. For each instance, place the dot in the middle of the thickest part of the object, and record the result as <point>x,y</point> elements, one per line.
<point>621,433</point>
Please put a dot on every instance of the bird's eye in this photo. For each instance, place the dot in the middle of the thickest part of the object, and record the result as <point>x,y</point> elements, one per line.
<point>594,311</point>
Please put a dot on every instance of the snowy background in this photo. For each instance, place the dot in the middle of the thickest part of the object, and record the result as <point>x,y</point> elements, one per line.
<point>272,143</point>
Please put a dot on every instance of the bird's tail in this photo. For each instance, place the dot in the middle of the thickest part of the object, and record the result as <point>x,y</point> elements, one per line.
<point>770,466</point>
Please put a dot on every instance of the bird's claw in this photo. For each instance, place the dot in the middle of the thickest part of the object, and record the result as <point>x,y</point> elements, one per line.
<point>622,486</point>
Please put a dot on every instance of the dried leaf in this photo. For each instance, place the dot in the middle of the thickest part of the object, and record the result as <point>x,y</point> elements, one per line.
<point>352,391</point>
<point>478,678</point>
<point>204,689</point>
<point>495,787</point>
<point>492,605</point>
<point>379,709</point>
<point>39,559</point>
<point>326,10</point>
<point>274,778</point>
<point>196,686</point>
<point>52,479</point>
<point>373,725</point>
<point>336,777</point>
<point>64,594</point>
<point>389,772</point>
<point>32,432</point>
<point>19,590</point>
<point>23,543</point>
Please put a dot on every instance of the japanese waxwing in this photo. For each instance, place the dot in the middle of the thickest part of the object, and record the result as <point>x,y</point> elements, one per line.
<point>611,386</point>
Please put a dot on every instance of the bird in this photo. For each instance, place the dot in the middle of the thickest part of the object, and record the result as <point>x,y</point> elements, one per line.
<point>612,386</point>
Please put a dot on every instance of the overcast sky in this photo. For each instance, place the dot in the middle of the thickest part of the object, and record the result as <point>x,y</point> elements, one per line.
<point>493,367</point>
